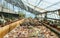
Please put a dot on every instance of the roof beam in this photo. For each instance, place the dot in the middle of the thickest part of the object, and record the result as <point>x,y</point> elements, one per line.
<point>21,5</point>
<point>36,8</point>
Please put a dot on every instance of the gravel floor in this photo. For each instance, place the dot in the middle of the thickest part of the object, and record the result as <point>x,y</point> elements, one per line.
<point>31,32</point>
<point>31,29</point>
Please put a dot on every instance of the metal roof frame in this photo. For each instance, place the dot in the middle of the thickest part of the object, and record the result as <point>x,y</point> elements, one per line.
<point>20,4</point>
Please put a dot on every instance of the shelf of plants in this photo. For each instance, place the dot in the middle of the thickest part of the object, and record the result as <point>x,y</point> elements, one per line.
<point>55,24</point>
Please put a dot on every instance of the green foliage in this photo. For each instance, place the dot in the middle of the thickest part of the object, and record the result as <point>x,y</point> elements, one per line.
<point>21,15</point>
<point>29,17</point>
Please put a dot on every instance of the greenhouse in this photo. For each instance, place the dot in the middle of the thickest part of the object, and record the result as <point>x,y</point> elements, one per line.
<point>29,18</point>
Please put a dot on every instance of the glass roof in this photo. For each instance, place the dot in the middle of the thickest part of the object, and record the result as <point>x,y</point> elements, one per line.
<point>39,5</point>
<point>48,5</point>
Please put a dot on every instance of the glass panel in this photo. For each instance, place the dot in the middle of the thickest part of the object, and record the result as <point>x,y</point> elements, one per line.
<point>53,15</point>
<point>11,7</point>
<point>0,0</point>
<point>33,2</point>
<point>52,1</point>
<point>45,3</point>
<point>55,7</point>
